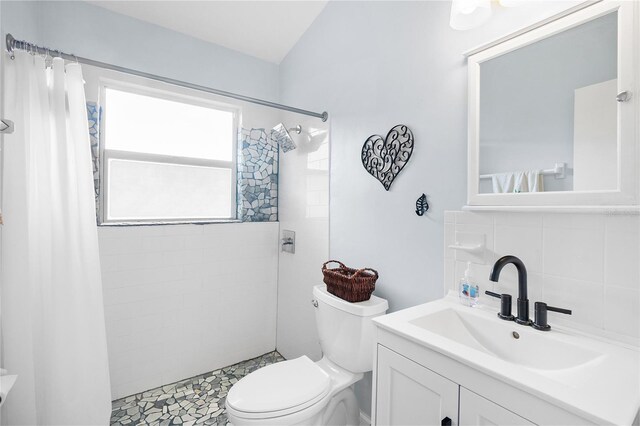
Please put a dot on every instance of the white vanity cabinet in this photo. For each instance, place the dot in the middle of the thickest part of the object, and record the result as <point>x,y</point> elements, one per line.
<point>476,410</point>
<point>410,394</point>
<point>415,385</point>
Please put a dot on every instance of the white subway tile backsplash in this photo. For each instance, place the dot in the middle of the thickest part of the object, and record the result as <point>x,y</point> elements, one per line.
<point>594,222</point>
<point>472,218</point>
<point>585,299</point>
<point>524,242</point>
<point>529,220</point>
<point>619,223</point>
<point>589,263</point>
<point>619,303</point>
<point>576,253</point>
<point>622,259</point>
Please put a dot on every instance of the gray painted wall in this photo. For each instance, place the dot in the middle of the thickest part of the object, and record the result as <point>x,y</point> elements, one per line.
<point>87,30</point>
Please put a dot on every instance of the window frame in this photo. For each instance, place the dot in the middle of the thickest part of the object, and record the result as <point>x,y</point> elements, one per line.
<point>148,87</point>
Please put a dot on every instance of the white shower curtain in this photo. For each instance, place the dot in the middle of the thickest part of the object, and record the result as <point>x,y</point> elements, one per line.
<point>53,329</point>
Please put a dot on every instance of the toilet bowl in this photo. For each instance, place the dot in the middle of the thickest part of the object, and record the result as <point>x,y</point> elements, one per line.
<point>303,392</point>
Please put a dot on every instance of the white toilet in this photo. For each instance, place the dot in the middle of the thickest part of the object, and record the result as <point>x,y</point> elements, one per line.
<point>301,392</point>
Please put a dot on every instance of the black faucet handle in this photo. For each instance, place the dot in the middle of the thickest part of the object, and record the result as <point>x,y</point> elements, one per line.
<point>559,310</point>
<point>540,315</point>
<point>505,305</point>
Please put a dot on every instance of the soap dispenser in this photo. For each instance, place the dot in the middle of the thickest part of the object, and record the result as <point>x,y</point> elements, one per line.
<point>468,291</point>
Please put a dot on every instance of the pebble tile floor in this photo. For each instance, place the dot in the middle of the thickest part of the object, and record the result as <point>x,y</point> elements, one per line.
<point>195,401</point>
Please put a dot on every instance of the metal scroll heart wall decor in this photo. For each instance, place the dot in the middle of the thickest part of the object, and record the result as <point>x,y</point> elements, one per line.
<point>385,158</point>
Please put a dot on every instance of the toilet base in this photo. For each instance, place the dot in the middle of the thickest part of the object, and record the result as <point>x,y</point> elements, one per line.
<point>338,408</point>
<point>341,410</point>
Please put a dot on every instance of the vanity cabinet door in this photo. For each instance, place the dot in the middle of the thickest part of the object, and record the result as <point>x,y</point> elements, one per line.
<point>476,410</point>
<point>410,394</point>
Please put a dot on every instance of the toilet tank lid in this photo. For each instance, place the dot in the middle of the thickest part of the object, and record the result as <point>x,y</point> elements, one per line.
<point>374,306</point>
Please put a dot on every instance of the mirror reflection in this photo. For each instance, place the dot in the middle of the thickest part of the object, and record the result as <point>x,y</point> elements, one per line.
<point>548,113</point>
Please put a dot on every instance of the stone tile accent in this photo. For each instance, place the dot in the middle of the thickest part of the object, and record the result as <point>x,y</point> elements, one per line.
<point>257,177</point>
<point>94,114</point>
<point>195,401</point>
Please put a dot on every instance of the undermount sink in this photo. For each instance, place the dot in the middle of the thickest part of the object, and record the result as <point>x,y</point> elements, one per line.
<point>506,340</point>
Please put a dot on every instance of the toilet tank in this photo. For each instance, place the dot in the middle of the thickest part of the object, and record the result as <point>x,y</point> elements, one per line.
<point>345,329</point>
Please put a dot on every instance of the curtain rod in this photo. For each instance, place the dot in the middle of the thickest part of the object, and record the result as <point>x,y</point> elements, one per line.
<point>13,44</point>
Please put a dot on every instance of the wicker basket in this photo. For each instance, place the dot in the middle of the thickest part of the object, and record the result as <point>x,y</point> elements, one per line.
<point>352,285</point>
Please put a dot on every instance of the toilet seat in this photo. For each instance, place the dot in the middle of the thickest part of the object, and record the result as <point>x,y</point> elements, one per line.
<point>279,389</point>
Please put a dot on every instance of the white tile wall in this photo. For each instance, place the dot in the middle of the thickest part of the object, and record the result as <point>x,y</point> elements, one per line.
<point>589,263</point>
<point>303,208</point>
<point>173,295</point>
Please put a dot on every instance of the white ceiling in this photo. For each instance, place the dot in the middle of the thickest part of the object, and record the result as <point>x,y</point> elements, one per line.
<point>264,29</point>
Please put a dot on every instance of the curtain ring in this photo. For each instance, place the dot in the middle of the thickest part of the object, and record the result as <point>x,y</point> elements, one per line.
<point>11,47</point>
<point>48,59</point>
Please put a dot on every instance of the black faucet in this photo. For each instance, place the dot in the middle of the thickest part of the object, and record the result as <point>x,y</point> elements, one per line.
<point>523,301</point>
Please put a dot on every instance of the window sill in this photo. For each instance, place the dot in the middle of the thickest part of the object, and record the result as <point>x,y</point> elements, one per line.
<point>161,223</point>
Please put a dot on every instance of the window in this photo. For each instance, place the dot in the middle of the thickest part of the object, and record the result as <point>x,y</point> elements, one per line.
<point>166,157</point>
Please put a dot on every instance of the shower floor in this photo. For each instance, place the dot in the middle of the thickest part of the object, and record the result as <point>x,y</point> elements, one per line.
<point>198,400</point>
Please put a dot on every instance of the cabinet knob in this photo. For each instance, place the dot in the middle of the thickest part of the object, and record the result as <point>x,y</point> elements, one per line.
<point>446,422</point>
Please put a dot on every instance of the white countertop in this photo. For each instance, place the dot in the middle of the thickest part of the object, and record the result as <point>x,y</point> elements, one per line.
<point>604,390</point>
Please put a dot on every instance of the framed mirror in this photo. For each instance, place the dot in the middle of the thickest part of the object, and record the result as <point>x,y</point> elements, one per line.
<point>553,113</point>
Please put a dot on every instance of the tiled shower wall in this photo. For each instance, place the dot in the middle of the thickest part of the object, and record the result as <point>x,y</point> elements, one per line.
<point>589,263</point>
<point>304,208</point>
<point>257,176</point>
<point>172,296</point>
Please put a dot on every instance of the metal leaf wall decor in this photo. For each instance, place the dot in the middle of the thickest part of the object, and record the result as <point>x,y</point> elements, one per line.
<point>422,205</point>
<point>385,158</point>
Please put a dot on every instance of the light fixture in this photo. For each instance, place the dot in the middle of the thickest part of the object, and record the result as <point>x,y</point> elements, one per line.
<point>512,3</point>
<point>468,14</point>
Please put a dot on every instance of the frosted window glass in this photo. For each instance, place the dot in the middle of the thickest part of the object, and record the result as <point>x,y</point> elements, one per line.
<point>146,190</point>
<point>153,125</point>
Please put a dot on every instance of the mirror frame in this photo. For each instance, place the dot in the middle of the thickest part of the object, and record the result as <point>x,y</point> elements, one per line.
<point>628,192</point>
